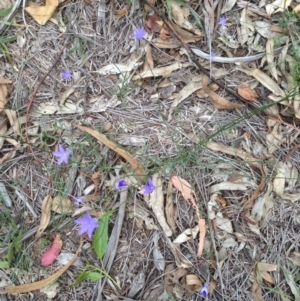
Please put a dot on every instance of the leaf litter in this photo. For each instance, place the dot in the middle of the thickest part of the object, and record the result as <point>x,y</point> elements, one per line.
<point>240,179</point>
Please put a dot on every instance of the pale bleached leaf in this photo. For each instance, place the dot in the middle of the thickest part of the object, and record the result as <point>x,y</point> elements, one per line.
<point>229,4</point>
<point>263,78</point>
<point>270,58</point>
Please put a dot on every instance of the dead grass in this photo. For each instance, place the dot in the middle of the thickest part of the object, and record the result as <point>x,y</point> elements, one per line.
<point>139,123</point>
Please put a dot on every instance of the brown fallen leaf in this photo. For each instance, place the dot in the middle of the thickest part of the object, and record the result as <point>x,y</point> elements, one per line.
<point>25,288</point>
<point>120,12</point>
<point>135,164</point>
<point>42,14</point>
<point>188,194</point>
<point>153,23</point>
<point>61,205</point>
<point>217,101</point>
<point>46,215</point>
<point>246,92</point>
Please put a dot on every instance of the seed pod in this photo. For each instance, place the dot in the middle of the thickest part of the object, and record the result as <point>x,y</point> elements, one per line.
<point>51,254</point>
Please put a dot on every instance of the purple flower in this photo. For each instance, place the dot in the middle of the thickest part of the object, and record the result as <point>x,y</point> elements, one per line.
<point>139,33</point>
<point>62,154</point>
<point>120,184</point>
<point>149,187</point>
<point>66,74</point>
<point>212,55</point>
<point>88,224</point>
<point>78,200</point>
<point>222,21</point>
<point>204,291</point>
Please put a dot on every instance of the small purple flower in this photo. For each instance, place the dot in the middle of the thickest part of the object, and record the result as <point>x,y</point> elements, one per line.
<point>204,291</point>
<point>121,184</point>
<point>149,187</point>
<point>88,224</point>
<point>78,200</point>
<point>139,33</point>
<point>222,21</point>
<point>212,55</point>
<point>62,154</point>
<point>66,75</point>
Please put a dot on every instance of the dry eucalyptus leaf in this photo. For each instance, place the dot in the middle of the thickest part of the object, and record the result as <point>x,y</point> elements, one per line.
<point>295,259</point>
<point>156,202</point>
<point>247,28</point>
<point>3,95</point>
<point>246,92</point>
<point>13,120</point>
<point>64,96</point>
<point>264,29</point>
<point>263,78</point>
<point>50,108</point>
<point>61,205</point>
<point>46,215</point>
<point>229,4</point>
<point>161,71</point>
<point>188,194</point>
<point>186,235</point>
<point>193,283</point>
<point>102,103</point>
<point>217,101</point>
<point>292,284</point>
<point>130,65</point>
<point>8,156</point>
<point>41,14</point>
<point>170,209</point>
<point>3,128</point>
<point>270,58</point>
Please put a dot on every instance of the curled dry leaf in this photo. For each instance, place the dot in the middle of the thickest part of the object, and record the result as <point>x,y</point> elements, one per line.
<point>42,14</point>
<point>247,93</point>
<point>186,235</point>
<point>217,101</point>
<point>135,164</point>
<point>46,215</point>
<point>25,288</point>
<point>193,283</point>
<point>132,63</point>
<point>50,255</point>
<point>188,194</point>
<point>64,96</point>
<point>61,205</point>
<point>156,202</point>
<point>120,12</point>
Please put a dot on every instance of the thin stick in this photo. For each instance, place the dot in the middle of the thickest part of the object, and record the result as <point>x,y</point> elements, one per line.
<point>32,97</point>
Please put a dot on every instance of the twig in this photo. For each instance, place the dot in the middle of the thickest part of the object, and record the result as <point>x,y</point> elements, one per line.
<point>32,97</point>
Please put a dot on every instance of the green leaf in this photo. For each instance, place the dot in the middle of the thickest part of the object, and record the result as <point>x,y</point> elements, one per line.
<point>87,275</point>
<point>14,246</point>
<point>4,265</point>
<point>7,39</point>
<point>5,12</point>
<point>101,236</point>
